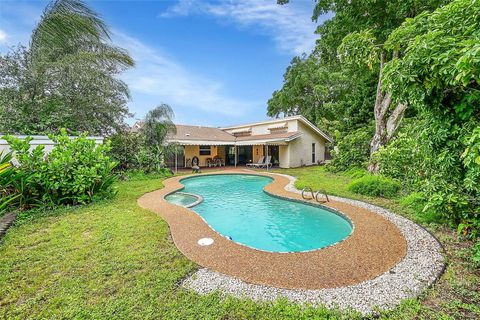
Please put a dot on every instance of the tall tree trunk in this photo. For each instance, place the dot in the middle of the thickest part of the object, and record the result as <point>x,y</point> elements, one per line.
<point>386,124</point>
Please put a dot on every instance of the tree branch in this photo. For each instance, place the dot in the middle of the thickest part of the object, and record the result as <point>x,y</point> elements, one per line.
<point>394,120</point>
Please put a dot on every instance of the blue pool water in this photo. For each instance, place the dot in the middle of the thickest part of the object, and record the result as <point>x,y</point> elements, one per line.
<point>236,206</point>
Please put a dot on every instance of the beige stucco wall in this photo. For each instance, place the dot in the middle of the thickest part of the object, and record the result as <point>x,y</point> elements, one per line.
<point>284,156</point>
<point>192,151</point>
<point>300,149</point>
<point>257,152</point>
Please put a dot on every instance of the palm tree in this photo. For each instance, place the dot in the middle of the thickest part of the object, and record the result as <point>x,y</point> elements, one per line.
<point>156,128</point>
<point>69,27</point>
<point>158,124</point>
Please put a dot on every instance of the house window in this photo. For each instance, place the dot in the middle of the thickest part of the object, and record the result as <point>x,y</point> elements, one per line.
<point>205,150</point>
<point>313,153</point>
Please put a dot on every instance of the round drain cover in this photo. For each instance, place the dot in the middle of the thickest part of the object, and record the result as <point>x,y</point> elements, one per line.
<point>205,241</point>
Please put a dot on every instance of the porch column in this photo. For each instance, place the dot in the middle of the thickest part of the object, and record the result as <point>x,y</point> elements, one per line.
<point>266,159</point>
<point>176,165</point>
<point>235,147</point>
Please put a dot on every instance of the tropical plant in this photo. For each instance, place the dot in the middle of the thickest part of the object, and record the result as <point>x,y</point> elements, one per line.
<point>157,126</point>
<point>76,171</point>
<point>17,188</point>
<point>7,196</point>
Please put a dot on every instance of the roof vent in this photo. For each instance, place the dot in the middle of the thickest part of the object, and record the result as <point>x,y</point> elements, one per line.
<point>187,134</point>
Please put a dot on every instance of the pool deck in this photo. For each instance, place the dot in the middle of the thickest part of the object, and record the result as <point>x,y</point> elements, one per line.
<point>375,246</point>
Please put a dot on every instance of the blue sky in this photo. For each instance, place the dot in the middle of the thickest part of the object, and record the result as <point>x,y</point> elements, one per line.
<point>215,62</point>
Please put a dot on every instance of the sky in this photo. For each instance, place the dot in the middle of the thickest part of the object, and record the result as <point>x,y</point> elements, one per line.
<point>215,62</point>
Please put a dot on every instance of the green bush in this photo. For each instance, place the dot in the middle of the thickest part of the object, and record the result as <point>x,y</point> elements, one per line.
<point>418,203</point>
<point>7,180</point>
<point>352,150</point>
<point>133,153</point>
<point>76,171</point>
<point>125,147</point>
<point>373,185</point>
<point>476,254</point>
<point>355,172</point>
<point>402,159</point>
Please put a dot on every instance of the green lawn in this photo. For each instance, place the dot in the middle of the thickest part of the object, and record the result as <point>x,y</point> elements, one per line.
<point>114,260</point>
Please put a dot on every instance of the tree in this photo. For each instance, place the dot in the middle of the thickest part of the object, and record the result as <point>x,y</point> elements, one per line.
<point>158,124</point>
<point>66,78</point>
<point>361,47</point>
<point>438,75</point>
<point>304,91</point>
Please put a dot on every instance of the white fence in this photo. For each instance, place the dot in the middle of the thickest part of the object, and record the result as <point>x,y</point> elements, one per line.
<point>44,140</point>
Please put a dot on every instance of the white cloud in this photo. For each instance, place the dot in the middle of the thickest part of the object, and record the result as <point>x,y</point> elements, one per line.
<point>181,8</point>
<point>3,36</point>
<point>164,80</point>
<point>289,25</point>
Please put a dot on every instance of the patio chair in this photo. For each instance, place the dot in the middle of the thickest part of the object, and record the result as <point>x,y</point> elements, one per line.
<point>260,161</point>
<point>266,164</point>
<point>219,162</point>
<point>210,162</point>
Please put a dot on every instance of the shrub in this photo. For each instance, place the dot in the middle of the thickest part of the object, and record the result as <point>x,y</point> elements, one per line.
<point>7,179</point>
<point>476,254</point>
<point>125,147</point>
<point>76,171</point>
<point>355,172</point>
<point>352,150</point>
<point>418,203</point>
<point>133,153</point>
<point>373,185</point>
<point>402,158</point>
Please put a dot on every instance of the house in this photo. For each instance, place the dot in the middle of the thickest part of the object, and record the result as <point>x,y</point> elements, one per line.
<point>289,142</point>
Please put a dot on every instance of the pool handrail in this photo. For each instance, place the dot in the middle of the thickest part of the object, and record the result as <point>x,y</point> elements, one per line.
<point>307,189</point>
<point>315,195</point>
<point>319,192</point>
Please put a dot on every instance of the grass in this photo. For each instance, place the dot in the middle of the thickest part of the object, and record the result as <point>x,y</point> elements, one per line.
<point>114,260</point>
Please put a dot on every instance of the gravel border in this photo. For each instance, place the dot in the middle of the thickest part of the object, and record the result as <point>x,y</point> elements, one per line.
<point>421,267</point>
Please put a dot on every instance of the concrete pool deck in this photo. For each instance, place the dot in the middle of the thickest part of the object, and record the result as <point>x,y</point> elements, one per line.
<point>374,248</point>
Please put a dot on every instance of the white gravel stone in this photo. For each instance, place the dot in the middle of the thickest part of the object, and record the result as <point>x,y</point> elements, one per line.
<point>422,265</point>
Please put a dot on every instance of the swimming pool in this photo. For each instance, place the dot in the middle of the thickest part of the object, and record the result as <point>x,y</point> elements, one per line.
<point>237,207</point>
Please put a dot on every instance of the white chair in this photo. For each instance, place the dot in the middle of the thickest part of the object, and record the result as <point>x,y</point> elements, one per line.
<point>266,164</point>
<point>260,161</point>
